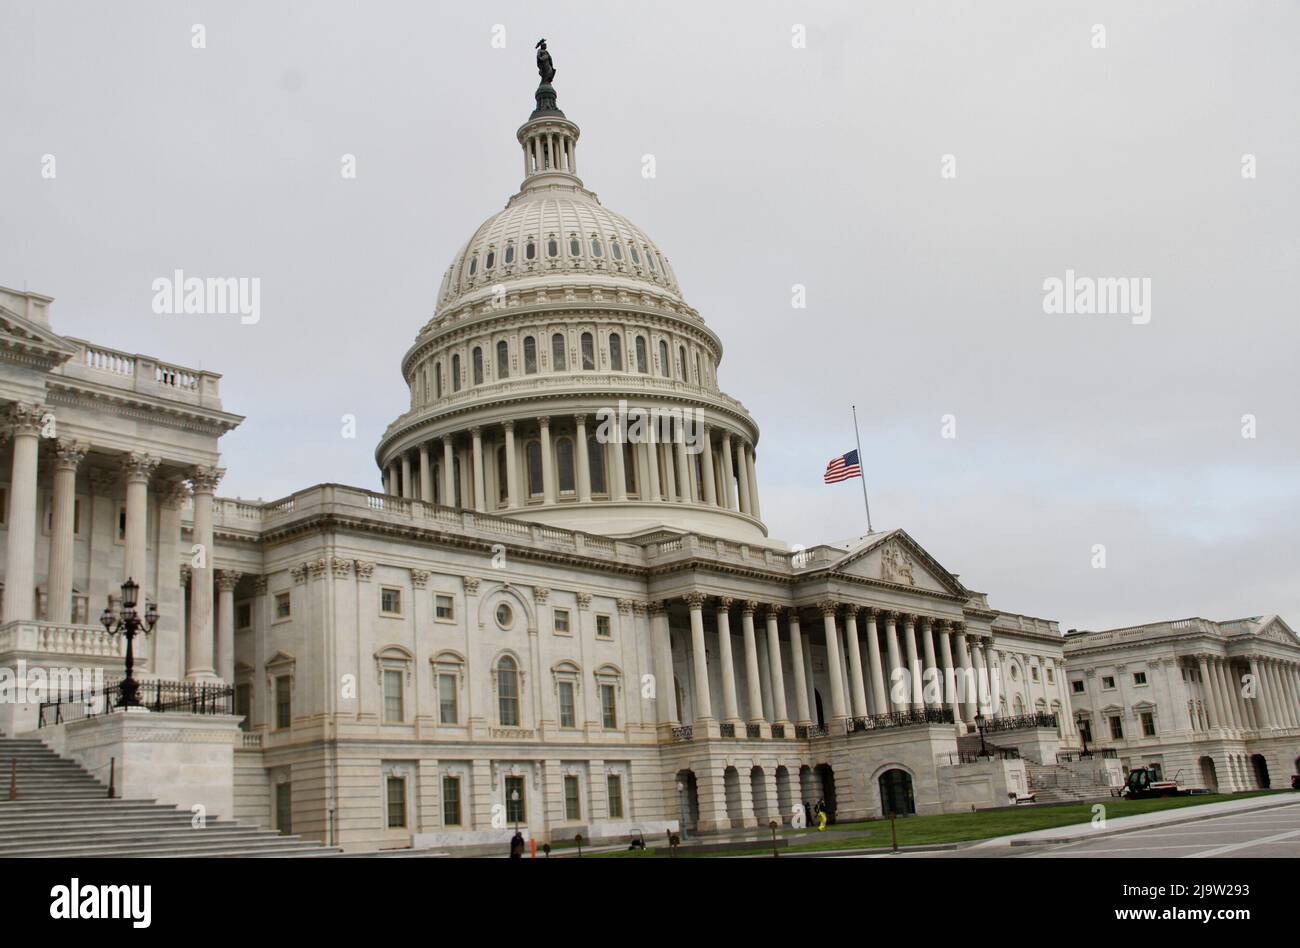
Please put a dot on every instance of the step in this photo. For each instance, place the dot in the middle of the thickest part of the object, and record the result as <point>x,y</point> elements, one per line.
<point>178,848</point>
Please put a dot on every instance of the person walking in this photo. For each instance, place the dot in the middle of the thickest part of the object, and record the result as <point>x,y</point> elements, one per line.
<point>517,845</point>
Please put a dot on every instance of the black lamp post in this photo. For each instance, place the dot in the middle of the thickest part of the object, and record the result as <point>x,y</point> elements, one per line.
<point>979,725</point>
<point>129,624</point>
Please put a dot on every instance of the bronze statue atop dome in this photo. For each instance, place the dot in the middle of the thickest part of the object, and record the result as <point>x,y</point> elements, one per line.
<point>545,68</point>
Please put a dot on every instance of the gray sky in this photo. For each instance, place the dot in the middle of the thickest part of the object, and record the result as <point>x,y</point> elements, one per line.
<point>775,166</point>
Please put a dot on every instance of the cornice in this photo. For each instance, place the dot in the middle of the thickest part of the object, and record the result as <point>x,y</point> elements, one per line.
<point>75,393</point>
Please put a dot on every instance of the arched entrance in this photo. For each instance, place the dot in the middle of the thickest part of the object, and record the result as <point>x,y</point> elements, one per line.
<point>688,798</point>
<point>784,796</point>
<point>758,790</point>
<point>827,778</point>
<point>731,788</point>
<point>1261,770</point>
<point>896,793</point>
<point>1209,775</point>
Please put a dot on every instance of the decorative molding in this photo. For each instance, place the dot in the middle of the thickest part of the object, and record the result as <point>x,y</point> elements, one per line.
<point>471,584</point>
<point>365,570</point>
<point>420,578</point>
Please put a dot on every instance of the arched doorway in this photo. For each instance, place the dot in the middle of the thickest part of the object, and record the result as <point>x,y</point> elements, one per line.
<point>688,798</point>
<point>1209,775</point>
<point>731,790</point>
<point>758,791</point>
<point>827,777</point>
<point>896,793</point>
<point>1261,770</point>
<point>784,796</point>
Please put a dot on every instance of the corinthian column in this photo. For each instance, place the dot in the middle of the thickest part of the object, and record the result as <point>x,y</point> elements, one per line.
<point>199,661</point>
<point>839,710</point>
<point>730,711</point>
<point>857,684</point>
<point>913,661</point>
<point>779,713</point>
<point>710,485</point>
<point>699,655</point>
<point>227,580</point>
<point>24,422</point>
<point>742,478</point>
<point>476,457</point>
<point>895,654</point>
<point>512,466</point>
<point>583,459</point>
<point>67,455</point>
<point>661,647</point>
<point>448,473</point>
<point>426,482</point>
<point>801,709</point>
<point>728,473</point>
<point>137,469</point>
<point>750,460</point>
<point>753,681</point>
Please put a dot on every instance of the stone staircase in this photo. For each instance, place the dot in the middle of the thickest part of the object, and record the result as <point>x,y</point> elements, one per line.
<point>61,810</point>
<point>1052,783</point>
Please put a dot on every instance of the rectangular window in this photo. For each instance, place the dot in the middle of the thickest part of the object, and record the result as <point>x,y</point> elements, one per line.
<point>1148,724</point>
<point>396,802</point>
<point>1033,672</point>
<point>282,706</point>
<point>614,790</point>
<point>451,801</point>
<point>244,615</point>
<point>1139,678</point>
<point>448,713</point>
<point>284,808</point>
<point>1051,677</point>
<point>282,605</point>
<point>572,805</point>
<point>393,697</point>
<point>608,708</point>
<point>562,621</point>
<point>1108,681</point>
<point>1076,686</point>
<point>568,718</point>
<point>390,601</point>
<point>516,800</point>
<point>603,629</point>
<point>244,704</point>
<point>443,607</point>
<point>1116,727</point>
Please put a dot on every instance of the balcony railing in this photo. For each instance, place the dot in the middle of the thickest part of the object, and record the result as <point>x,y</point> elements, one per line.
<point>1105,753</point>
<point>753,731</point>
<point>727,730</point>
<point>778,731</point>
<point>157,695</point>
<point>991,753</point>
<point>683,734</point>
<point>910,718</point>
<point>1016,722</point>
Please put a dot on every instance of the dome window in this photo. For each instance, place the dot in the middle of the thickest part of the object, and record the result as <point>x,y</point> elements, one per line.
<point>636,257</point>
<point>491,260</point>
<point>665,369</point>
<point>564,464</point>
<point>588,352</point>
<point>557,352</point>
<point>473,264</point>
<point>533,458</point>
<point>455,372</point>
<point>596,249</point>
<point>552,248</point>
<point>510,254</point>
<point>616,250</point>
<point>641,365</point>
<point>478,365</point>
<point>530,355</point>
<point>650,259</point>
<point>575,246</point>
<point>530,251</point>
<point>596,464</point>
<point>503,360</point>
<point>615,352</point>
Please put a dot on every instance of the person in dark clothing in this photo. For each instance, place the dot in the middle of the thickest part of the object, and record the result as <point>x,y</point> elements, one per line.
<point>808,814</point>
<point>517,845</point>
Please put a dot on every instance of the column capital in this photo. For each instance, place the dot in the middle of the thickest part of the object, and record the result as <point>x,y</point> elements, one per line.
<point>958,628</point>
<point>624,606</point>
<point>471,584</point>
<point>68,454</point>
<point>26,418</point>
<point>851,609</point>
<point>694,600</point>
<point>909,620</point>
<point>748,607</point>
<point>173,494</point>
<point>584,600</point>
<point>508,424</point>
<point>725,603</point>
<point>657,607</point>
<point>259,585</point>
<point>774,610</point>
<point>544,420</point>
<point>476,431</point>
<point>204,480</point>
<point>138,467</point>
<point>828,607</point>
<point>580,420</point>
<point>228,579</point>
<point>541,594</point>
<point>939,625</point>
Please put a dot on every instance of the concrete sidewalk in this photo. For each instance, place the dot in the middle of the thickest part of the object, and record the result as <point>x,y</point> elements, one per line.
<point>1127,824</point>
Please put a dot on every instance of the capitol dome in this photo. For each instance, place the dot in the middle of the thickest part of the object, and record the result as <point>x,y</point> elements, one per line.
<point>557,325</point>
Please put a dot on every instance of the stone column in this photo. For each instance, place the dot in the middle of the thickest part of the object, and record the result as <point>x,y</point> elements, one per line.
<point>448,473</point>
<point>583,459</point>
<point>1274,696</point>
<point>1283,695</point>
<point>913,662</point>
<point>512,465</point>
<point>426,480</point>
<point>710,485</point>
<point>67,455</point>
<point>879,696</point>
<point>857,685</point>
<point>168,637</point>
<point>949,695</point>
<point>390,479</point>
<point>650,489</point>
<point>839,707</point>
<point>1229,694</point>
<point>1207,686</point>
<point>1261,707</point>
<point>24,422</point>
<point>728,472</point>
<point>742,480</point>
<point>730,710</point>
<point>802,714</point>
<point>895,655</point>
<point>982,690</point>
<point>661,645</point>
<point>686,488</point>
<point>930,675</point>
<point>670,475</point>
<point>408,487</point>
<point>1291,689</point>
<point>750,460</point>
<point>753,681</point>
<point>476,459</point>
<point>137,469</point>
<point>227,580</point>
<point>199,661</point>
<point>779,712</point>
<point>699,659</point>
<point>965,676</point>
<point>616,472</point>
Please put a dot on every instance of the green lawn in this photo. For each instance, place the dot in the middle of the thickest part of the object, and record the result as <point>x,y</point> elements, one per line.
<point>967,827</point>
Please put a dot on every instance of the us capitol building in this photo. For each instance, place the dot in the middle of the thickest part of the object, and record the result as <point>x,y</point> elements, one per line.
<point>562,610</point>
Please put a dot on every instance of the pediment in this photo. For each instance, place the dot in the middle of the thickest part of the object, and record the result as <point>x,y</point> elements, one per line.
<point>1275,630</point>
<point>18,333</point>
<point>896,558</point>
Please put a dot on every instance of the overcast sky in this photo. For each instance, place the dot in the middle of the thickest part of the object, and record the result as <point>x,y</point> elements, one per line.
<point>776,166</point>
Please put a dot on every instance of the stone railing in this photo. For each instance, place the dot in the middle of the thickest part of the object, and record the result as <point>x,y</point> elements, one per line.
<point>79,641</point>
<point>143,374</point>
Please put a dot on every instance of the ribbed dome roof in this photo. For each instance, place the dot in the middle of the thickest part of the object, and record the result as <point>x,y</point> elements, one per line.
<point>555,231</point>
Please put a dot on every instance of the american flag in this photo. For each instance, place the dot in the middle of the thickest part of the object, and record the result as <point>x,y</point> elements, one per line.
<point>843,468</point>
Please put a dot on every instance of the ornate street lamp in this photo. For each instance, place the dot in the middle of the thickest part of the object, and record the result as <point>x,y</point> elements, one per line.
<point>514,798</point>
<point>129,624</point>
<point>980,725</point>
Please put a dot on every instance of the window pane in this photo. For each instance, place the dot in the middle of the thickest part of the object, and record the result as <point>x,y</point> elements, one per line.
<point>447,710</point>
<point>608,711</point>
<point>451,801</point>
<point>396,802</point>
<point>572,808</point>
<point>567,715</point>
<point>596,464</point>
<point>588,352</point>
<point>530,355</point>
<point>615,352</point>
<point>478,365</point>
<point>503,360</point>
<point>557,353</point>
<point>629,468</point>
<point>282,708</point>
<point>455,373</point>
<point>393,696</point>
<point>508,693</point>
<point>664,368</point>
<point>534,468</point>
<point>516,800</point>
<point>641,355</point>
<point>614,787</point>
<point>564,463</point>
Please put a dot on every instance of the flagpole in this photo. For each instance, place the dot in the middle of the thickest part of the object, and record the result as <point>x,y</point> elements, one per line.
<point>862,467</point>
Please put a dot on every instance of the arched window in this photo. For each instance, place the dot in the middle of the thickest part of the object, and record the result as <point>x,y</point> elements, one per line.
<point>490,261</point>
<point>665,369</point>
<point>596,465</point>
<point>597,249</point>
<point>588,352</point>
<point>557,352</point>
<point>681,363</point>
<point>636,257</point>
<point>508,691</point>
<point>615,352</point>
<point>503,480</point>
<point>650,259</point>
<point>455,372</point>
<point>473,264</point>
<point>478,365</point>
<point>552,248</point>
<point>575,246</point>
<point>503,360</point>
<point>530,250</point>
<point>510,254</point>
<point>629,467</point>
<point>437,379</point>
<point>530,355</point>
<point>616,250</point>
<point>641,359</point>
<point>534,453</point>
<point>564,464</point>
